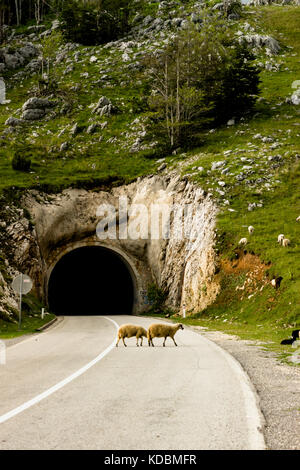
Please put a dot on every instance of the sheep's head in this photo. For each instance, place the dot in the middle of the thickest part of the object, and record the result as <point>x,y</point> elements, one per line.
<point>180,325</point>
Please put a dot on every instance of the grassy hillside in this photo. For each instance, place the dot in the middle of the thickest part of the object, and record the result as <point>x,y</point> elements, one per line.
<point>260,155</point>
<point>278,194</point>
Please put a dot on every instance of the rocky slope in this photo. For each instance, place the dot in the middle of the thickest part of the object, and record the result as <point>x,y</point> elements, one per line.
<point>92,130</point>
<point>68,220</point>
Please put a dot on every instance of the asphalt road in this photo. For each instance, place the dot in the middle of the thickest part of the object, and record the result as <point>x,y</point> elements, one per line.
<point>71,388</point>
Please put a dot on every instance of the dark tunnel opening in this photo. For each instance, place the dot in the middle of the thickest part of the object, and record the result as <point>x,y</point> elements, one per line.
<point>91,280</point>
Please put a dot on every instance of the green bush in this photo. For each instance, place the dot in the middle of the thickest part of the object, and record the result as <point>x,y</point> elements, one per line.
<point>157,297</point>
<point>235,8</point>
<point>21,162</point>
<point>239,85</point>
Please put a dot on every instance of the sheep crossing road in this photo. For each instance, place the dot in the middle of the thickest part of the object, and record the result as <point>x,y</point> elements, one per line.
<point>71,388</point>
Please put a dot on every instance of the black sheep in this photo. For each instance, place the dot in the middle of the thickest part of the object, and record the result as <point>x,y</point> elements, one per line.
<point>295,336</point>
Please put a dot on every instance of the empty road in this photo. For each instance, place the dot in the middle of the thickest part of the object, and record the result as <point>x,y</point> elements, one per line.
<point>71,388</point>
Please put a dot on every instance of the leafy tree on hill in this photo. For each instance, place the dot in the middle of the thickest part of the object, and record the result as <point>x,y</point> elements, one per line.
<point>202,76</point>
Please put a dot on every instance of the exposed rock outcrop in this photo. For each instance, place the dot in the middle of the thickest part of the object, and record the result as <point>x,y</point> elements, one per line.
<point>182,265</point>
<point>12,60</point>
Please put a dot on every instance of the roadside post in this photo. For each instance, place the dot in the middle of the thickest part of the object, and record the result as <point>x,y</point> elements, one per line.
<point>22,284</point>
<point>183,310</point>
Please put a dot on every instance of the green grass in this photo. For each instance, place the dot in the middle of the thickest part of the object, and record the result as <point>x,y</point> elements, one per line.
<point>91,163</point>
<point>266,315</point>
<point>31,319</point>
<point>280,200</point>
<point>264,335</point>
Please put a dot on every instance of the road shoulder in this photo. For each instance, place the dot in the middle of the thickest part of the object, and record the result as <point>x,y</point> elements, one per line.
<point>277,385</point>
<point>47,327</point>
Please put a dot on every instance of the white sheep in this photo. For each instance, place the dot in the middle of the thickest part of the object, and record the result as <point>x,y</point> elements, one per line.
<point>298,218</point>
<point>286,242</point>
<point>243,241</point>
<point>250,229</point>
<point>127,331</point>
<point>158,330</point>
<point>280,238</point>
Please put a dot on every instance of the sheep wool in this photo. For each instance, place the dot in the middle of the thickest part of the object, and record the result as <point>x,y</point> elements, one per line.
<point>127,331</point>
<point>280,238</point>
<point>286,242</point>
<point>250,229</point>
<point>243,241</point>
<point>158,330</point>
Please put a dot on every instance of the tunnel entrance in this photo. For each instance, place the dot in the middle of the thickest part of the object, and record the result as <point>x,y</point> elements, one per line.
<point>91,280</point>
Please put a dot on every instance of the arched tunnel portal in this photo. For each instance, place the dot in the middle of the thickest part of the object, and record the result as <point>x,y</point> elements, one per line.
<point>91,280</point>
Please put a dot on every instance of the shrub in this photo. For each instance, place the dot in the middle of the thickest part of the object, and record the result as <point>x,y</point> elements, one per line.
<point>21,162</point>
<point>239,85</point>
<point>157,297</point>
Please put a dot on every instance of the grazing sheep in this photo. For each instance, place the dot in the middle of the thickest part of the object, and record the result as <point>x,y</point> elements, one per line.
<point>276,282</point>
<point>157,330</point>
<point>286,242</point>
<point>250,229</point>
<point>280,238</point>
<point>127,331</point>
<point>243,241</point>
<point>295,337</point>
<point>298,218</point>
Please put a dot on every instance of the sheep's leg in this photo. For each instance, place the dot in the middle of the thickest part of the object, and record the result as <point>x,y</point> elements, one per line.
<point>137,341</point>
<point>141,341</point>
<point>164,343</point>
<point>119,337</point>
<point>124,342</point>
<point>174,341</point>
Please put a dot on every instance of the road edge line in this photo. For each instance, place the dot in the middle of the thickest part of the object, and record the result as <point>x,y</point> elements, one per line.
<point>255,418</point>
<point>61,384</point>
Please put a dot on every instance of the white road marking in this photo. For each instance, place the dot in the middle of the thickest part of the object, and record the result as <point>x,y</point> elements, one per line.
<point>60,384</point>
<point>255,418</point>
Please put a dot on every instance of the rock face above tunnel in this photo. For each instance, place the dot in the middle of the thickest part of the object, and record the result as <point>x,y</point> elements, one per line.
<point>185,267</point>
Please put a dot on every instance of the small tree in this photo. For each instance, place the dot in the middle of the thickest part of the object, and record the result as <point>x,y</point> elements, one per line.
<point>157,297</point>
<point>239,85</point>
<point>200,77</point>
<point>50,45</point>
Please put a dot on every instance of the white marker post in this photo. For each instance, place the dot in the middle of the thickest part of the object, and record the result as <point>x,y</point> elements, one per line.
<point>183,310</point>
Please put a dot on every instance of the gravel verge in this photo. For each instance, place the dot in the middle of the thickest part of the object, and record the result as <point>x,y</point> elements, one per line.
<point>277,385</point>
